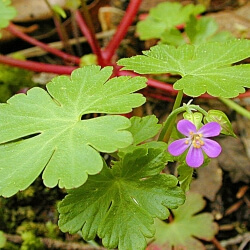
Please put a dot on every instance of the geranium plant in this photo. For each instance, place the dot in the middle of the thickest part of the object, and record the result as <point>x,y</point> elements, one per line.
<point>110,165</point>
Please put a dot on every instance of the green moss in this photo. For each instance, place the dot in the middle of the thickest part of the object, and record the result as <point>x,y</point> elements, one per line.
<point>12,80</point>
<point>31,242</point>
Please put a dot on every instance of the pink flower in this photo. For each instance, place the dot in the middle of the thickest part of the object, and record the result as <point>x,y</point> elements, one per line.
<point>196,142</point>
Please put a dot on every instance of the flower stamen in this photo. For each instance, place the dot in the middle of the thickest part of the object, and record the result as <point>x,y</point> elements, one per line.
<point>196,140</point>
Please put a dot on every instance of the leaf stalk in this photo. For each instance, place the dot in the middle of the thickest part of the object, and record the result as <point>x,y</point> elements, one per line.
<point>233,105</point>
<point>169,125</point>
<point>90,36</point>
<point>36,66</point>
<point>14,30</point>
<point>122,29</point>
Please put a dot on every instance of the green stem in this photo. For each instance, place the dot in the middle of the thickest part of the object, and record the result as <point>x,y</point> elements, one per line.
<point>198,108</point>
<point>168,128</point>
<point>172,117</point>
<point>178,100</point>
<point>233,105</point>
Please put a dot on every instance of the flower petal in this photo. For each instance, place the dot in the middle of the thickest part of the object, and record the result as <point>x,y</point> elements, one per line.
<point>178,147</point>
<point>211,148</point>
<point>210,129</point>
<point>194,157</point>
<point>185,127</point>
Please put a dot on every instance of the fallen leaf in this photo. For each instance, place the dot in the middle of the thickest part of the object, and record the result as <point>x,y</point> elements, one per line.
<point>187,228</point>
<point>209,180</point>
<point>234,159</point>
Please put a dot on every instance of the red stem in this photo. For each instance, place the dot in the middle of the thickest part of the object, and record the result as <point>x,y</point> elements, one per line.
<point>15,31</point>
<point>166,87</point>
<point>157,96</point>
<point>90,36</point>
<point>122,29</point>
<point>152,82</point>
<point>217,244</point>
<point>66,70</point>
<point>36,66</point>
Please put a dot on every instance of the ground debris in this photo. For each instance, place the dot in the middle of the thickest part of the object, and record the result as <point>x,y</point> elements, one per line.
<point>234,159</point>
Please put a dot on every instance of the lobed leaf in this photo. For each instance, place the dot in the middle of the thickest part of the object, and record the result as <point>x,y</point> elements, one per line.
<point>120,203</point>
<point>205,29</point>
<point>186,228</point>
<point>46,130</point>
<point>164,17</point>
<point>173,37</point>
<point>204,68</point>
<point>144,128</point>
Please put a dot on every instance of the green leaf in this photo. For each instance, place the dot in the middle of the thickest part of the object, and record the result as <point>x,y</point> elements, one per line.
<point>166,16</point>
<point>186,227</point>
<point>90,59</point>
<point>221,118</point>
<point>205,29</point>
<point>194,117</point>
<point>173,37</point>
<point>2,239</point>
<point>6,13</point>
<point>144,128</point>
<point>59,10</point>
<point>185,176</point>
<point>145,33</point>
<point>204,68</point>
<point>200,30</point>
<point>120,203</point>
<point>45,129</point>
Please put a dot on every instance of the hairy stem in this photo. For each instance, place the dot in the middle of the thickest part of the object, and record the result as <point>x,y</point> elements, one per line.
<point>169,127</point>
<point>122,29</point>
<point>172,117</point>
<point>15,31</point>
